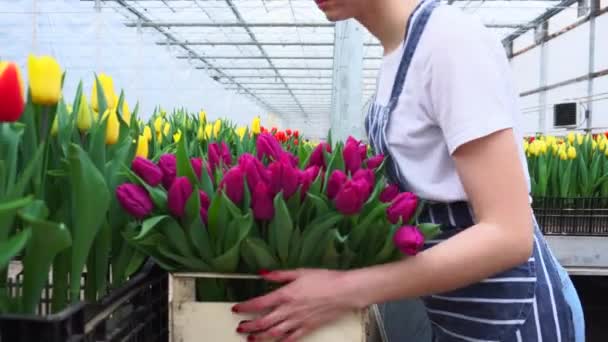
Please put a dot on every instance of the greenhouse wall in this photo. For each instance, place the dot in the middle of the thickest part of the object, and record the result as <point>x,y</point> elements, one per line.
<point>564,57</point>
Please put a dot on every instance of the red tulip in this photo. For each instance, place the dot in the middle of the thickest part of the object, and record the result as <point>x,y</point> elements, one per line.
<point>282,176</point>
<point>389,193</point>
<point>12,102</point>
<point>375,161</point>
<point>135,200</point>
<point>403,207</point>
<point>273,130</point>
<point>352,157</point>
<point>296,134</point>
<point>147,170</point>
<point>253,169</point>
<point>233,184</point>
<point>350,199</point>
<point>178,196</point>
<point>167,164</point>
<point>219,155</point>
<point>296,142</point>
<point>409,240</point>
<point>335,183</point>
<point>368,178</point>
<point>317,157</point>
<point>288,131</point>
<point>262,202</point>
<point>269,147</point>
<point>531,139</point>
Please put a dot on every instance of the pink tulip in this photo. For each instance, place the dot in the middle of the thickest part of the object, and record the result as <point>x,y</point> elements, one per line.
<point>409,240</point>
<point>369,179</point>
<point>335,183</point>
<point>197,166</point>
<point>375,161</point>
<point>403,207</point>
<point>317,158</point>
<point>389,193</point>
<point>352,157</point>
<point>306,178</point>
<point>135,200</point>
<point>204,199</point>
<point>219,155</point>
<point>262,202</point>
<point>204,215</point>
<point>360,147</point>
<point>253,169</point>
<point>233,184</point>
<point>283,177</point>
<point>350,199</point>
<point>178,196</point>
<point>268,146</point>
<point>147,170</point>
<point>167,164</point>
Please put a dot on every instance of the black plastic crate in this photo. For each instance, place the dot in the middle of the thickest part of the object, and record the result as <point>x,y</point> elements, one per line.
<point>584,216</point>
<point>135,312</point>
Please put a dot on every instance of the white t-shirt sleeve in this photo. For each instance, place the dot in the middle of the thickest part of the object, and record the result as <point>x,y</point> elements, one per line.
<point>469,97</point>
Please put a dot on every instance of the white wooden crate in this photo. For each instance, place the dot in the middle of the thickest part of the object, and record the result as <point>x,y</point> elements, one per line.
<point>193,321</point>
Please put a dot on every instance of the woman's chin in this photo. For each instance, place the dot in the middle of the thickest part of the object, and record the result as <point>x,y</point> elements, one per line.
<point>334,17</point>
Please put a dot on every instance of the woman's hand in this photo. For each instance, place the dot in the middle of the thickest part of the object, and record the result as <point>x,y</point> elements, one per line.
<point>311,299</point>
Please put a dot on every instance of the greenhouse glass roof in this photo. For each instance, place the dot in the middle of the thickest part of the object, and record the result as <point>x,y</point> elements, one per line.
<point>280,52</point>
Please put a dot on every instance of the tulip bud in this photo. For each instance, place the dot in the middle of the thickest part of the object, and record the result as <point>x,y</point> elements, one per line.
<point>45,80</point>
<point>335,183</point>
<point>178,196</point>
<point>317,157</point>
<point>84,119</point>
<point>255,125</point>
<point>374,162</point>
<point>268,146</point>
<point>142,147</point>
<point>12,102</point>
<point>402,208</point>
<point>368,180</point>
<point>263,207</point>
<point>240,132</point>
<point>409,240</point>
<point>389,193</point>
<point>219,154</point>
<point>135,200</point>
<point>217,126</point>
<point>112,127</point>
<point>350,199</point>
<point>200,133</point>
<point>296,134</point>
<point>148,133</point>
<point>107,84</point>
<point>147,170</point>
<point>166,129</point>
<point>177,136</point>
<point>283,177</point>
<point>167,164</point>
<point>352,157</point>
<point>126,114</point>
<point>253,169</point>
<point>571,152</point>
<point>233,184</point>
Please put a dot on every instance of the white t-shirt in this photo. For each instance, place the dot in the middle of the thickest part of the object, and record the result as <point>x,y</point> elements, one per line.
<point>458,88</point>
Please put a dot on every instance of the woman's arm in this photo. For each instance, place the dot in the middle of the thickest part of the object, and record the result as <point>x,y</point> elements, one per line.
<point>491,173</point>
<point>493,178</point>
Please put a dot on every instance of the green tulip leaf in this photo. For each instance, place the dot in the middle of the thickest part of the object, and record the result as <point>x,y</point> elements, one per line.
<point>13,246</point>
<point>319,203</point>
<point>184,167</point>
<point>331,257</point>
<point>280,229</point>
<point>388,249</point>
<point>295,247</point>
<point>197,232</point>
<point>358,231</point>
<point>148,225</point>
<point>8,210</point>
<point>186,263</point>
<point>176,237</point>
<point>257,255</point>
<point>429,230</point>
<point>90,203</point>
<point>313,235</point>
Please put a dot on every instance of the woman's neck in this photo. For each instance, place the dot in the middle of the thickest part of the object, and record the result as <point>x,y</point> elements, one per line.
<point>387,21</point>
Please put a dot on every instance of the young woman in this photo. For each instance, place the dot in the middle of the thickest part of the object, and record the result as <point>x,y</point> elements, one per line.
<point>446,117</point>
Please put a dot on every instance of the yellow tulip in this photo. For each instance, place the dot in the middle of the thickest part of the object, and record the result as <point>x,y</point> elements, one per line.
<point>45,79</point>
<point>200,134</point>
<point>202,116</point>
<point>594,145</point>
<point>602,145</point>
<point>550,140</point>
<point>158,125</point>
<point>256,125</point>
<point>563,155</point>
<point>107,84</point>
<point>112,126</point>
<point>84,120</point>
<point>142,147</point>
<point>208,131</point>
<point>148,133</point>
<point>241,132</point>
<point>571,138</point>
<point>579,139</point>
<point>126,114</point>
<point>177,136</point>
<point>217,126</point>
<point>166,129</point>
<point>534,148</point>
<point>542,146</point>
<point>554,148</point>
<point>571,152</point>
<point>526,145</point>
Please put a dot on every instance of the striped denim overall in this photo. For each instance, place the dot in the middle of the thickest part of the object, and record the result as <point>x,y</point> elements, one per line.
<point>526,303</point>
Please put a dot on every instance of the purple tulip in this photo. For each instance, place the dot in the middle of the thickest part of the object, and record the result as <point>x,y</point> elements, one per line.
<point>283,177</point>
<point>368,176</point>
<point>178,196</point>
<point>253,169</point>
<point>317,158</point>
<point>219,154</point>
<point>290,159</point>
<point>197,166</point>
<point>268,146</point>
<point>204,199</point>
<point>335,183</point>
<point>403,207</point>
<point>147,170</point>
<point>135,200</point>
<point>233,183</point>
<point>389,193</point>
<point>262,202</point>
<point>375,161</point>
<point>205,215</point>
<point>360,147</point>
<point>352,157</point>
<point>167,164</point>
<point>306,178</point>
<point>409,240</point>
<point>350,199</point>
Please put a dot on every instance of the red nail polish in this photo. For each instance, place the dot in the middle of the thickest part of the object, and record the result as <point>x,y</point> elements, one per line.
<point>250,338</point>
<point>234,309</point>
<point>263,272</point>
<point>240,330</point>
